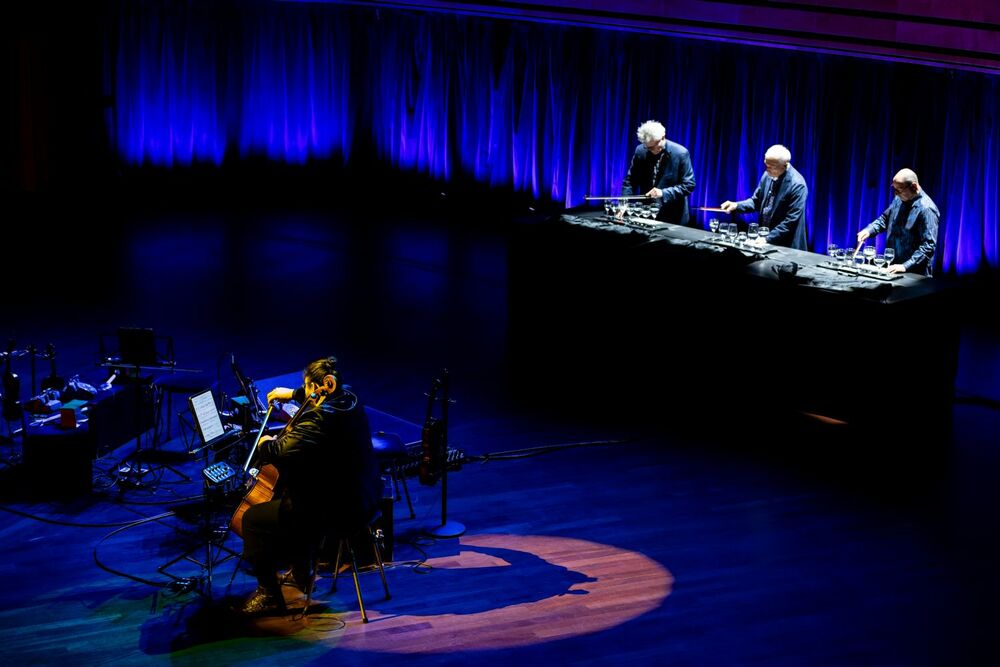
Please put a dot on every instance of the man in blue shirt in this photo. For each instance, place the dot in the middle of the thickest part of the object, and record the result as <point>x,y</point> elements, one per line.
<point>912,222</point>
<point>780,199</point>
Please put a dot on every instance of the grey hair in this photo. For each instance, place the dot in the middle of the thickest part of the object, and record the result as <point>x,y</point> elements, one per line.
<point>779,153</point>
<point>651,130</point>
<point>907,177</point>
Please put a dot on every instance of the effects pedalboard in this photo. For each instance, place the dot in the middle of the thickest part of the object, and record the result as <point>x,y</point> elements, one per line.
<point>218,473</point>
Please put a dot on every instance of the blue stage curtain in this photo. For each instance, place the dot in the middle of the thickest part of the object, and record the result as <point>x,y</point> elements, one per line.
<point>551,110</point>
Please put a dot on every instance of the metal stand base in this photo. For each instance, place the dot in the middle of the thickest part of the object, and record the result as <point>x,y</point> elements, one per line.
<point>446,529</point>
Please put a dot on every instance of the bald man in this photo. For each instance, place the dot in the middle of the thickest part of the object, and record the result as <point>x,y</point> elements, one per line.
<point>780,199</point>
<point>912,222</point>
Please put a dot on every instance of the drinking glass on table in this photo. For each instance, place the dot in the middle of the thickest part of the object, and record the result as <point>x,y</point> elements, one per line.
<point>879,262</point>
<point>713,225</point>
<point>869,253</point>
<point>764,231</point>
<point>753,232</point>
<point>734,231</point>
<point>890,254</point>
<point>622,208</point>
<point>831,251</point>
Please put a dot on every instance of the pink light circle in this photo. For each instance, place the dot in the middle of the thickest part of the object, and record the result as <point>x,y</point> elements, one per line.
<point>625,584</point>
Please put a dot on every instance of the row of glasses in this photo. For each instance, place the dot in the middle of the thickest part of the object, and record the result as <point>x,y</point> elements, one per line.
<point>621,208</point>
<point>866,256</point>
<point>616,208</point>
<point>731,231</point>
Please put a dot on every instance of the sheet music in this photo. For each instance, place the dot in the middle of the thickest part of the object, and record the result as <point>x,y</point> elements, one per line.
<point>207,416</point>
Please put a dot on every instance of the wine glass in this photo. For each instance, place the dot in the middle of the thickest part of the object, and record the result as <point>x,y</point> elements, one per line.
<point>741,238</point>
<point>869,253</point>
<point>879,262</point>
<point>831,251</point>
<point>734,230</point>
<point>764,231</point>
<point>890,254</point>
<point>608,208</point>
<point>859,261</point>
<point>841,256</point>
<point>622,208</point>
<point>753,232</point>
<point>713,225</point>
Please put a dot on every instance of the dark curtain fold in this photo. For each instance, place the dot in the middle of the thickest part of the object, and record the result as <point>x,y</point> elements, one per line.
<point>551,110</point>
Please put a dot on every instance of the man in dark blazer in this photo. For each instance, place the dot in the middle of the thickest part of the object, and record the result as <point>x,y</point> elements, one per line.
<point>662,170</point>
<point>911,226</point>
<point>780,199</point>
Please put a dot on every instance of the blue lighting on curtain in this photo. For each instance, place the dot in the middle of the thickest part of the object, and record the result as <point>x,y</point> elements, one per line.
<point>295,101</point>
<point>551,110</point>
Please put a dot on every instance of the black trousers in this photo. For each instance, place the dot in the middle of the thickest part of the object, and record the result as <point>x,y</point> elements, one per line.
<point>274,537</point>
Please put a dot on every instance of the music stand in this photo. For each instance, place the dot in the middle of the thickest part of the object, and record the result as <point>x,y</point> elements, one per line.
<point>213,437</point>
<point>138,351</point>
<point>253,409</point>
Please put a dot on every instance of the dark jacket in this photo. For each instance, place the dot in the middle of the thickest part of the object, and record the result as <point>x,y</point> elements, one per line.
<point>675,178</point>
<point>787,222</point>
<point>326,464</point>
<point>915,238</point>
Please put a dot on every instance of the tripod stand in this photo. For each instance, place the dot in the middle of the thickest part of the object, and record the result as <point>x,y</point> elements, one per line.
<point>211,533</point>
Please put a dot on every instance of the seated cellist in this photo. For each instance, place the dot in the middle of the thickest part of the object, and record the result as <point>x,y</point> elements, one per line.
<point>328,484</point>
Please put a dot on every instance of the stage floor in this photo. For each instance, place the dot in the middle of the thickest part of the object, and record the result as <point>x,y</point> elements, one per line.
<point>664,543</point>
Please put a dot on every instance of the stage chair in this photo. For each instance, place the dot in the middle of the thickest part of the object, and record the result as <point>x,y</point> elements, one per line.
<point>348,542</point>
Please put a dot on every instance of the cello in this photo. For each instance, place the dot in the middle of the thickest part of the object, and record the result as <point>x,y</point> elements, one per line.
<point>262,485</point>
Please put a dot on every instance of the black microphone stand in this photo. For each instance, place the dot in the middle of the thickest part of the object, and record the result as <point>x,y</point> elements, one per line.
<point>446,528</point>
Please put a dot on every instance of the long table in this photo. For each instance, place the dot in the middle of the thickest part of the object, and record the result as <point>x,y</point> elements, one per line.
<point>665,319</point>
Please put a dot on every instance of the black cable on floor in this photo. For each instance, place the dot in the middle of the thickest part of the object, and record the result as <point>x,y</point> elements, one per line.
<point>131,524</point>
<point>542,449</point>
<point>71,524</point>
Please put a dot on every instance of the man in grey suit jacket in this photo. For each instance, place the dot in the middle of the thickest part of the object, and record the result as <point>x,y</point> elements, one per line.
<point>780,199</point>
<point>912,223</point>
<point>662,170</point>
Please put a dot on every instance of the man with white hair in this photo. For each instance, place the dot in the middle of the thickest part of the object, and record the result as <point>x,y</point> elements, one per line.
<point>912,223</point>
<point>662,170</point>
<point>780,199</point>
